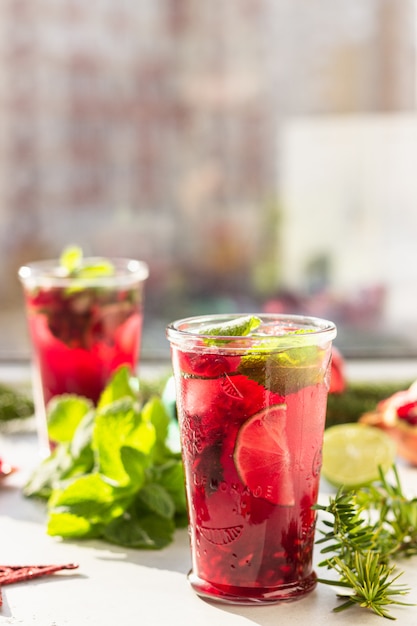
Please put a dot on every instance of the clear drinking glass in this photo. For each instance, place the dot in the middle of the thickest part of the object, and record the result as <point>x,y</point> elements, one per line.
<point>251,412</point>
<point>82,328</point>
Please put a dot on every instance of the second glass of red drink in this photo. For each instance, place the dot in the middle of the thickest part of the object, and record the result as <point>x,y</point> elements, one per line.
<point>85,320</point>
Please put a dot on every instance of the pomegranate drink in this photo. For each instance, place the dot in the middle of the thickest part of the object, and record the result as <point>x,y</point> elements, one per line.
<point>83,324</point>
<point>251,396</point>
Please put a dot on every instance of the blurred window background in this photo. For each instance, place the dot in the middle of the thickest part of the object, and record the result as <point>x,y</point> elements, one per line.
<point>257,154</point>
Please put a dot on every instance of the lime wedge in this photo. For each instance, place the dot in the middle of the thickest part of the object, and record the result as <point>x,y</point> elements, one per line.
<point>262,458</point>
<point>352,454</point>
<point>239,327</point>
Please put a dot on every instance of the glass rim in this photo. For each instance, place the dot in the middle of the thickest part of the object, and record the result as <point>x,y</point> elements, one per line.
<point>186,330</point>
<point>48,273</point>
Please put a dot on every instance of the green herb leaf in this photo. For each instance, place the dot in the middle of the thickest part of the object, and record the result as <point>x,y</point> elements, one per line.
<point>65,415</point>
<point>95,270</point>
<point>116,426</point>
<point>90,497</point>
<point>122,386</point>
<point>170,476</point>
<point>71,258</point>
<point>155,413</point>
<point>239,327</point>
<point>143,532</point>
<point>49,473</point>
<point>285,372</point>
<point>70,525</point>
<point>135,464</point>
<point>80,444</point>
<point>157,500</point>
<point>117,478</point>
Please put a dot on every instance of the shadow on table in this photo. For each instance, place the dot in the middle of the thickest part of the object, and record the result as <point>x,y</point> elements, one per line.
<point>315,609</point>
<point>174,557</point>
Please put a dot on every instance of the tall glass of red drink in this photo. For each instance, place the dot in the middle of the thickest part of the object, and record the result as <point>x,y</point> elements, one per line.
<point>83,325</point>
<point>251,397</point>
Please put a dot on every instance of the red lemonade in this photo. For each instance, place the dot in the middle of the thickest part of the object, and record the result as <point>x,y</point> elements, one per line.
<point>80,339</point>
<point>251,413</point>
<point>83,325</point>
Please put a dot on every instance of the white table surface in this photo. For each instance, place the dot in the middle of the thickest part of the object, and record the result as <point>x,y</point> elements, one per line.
<point>116,586</point>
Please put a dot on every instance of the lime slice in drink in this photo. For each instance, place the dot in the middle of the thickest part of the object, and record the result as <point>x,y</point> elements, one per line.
<point>262,457</point>
<point>352,454</point>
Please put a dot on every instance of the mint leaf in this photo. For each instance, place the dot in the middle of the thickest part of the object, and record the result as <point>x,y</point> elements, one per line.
<point>99,269</point>
<point>239,327</point>
<point>90,497</point>
<point>285,372</point>
<point>70,525</point>
<point>65,414</point>
<point>171,477</point>
<point>88,489</point>
<point>157,500</point>
<point>49,473</point>
<point>144,531</point>
<point>117,425</point>
<point>67,460</point>
<point>71,258</point>
<point>135,464</point>
<point>81,440</point>
<point>121,385</point>
<point>155,412</point>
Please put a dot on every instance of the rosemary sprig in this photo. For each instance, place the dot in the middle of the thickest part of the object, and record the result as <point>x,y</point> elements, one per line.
<point>367,529</point>
<point>371,582</point>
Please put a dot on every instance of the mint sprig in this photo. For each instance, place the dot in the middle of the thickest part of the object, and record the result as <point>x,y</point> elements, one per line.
<point>220,334</point>
<point>286,363</point>
<point>238,327</point>
<point>284,372</point>
<point>113,474</point>
<point>73,262</point>
<point>71,258</point>
<point>77,309</point>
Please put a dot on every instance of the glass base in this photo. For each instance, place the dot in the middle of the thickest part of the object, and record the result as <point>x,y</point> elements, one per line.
<point>252,595</point>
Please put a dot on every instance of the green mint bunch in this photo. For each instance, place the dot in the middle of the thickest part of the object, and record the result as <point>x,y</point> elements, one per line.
<point>113,474</point>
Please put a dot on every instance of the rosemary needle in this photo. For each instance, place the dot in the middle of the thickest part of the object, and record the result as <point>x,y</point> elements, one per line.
<point>364,530</point>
